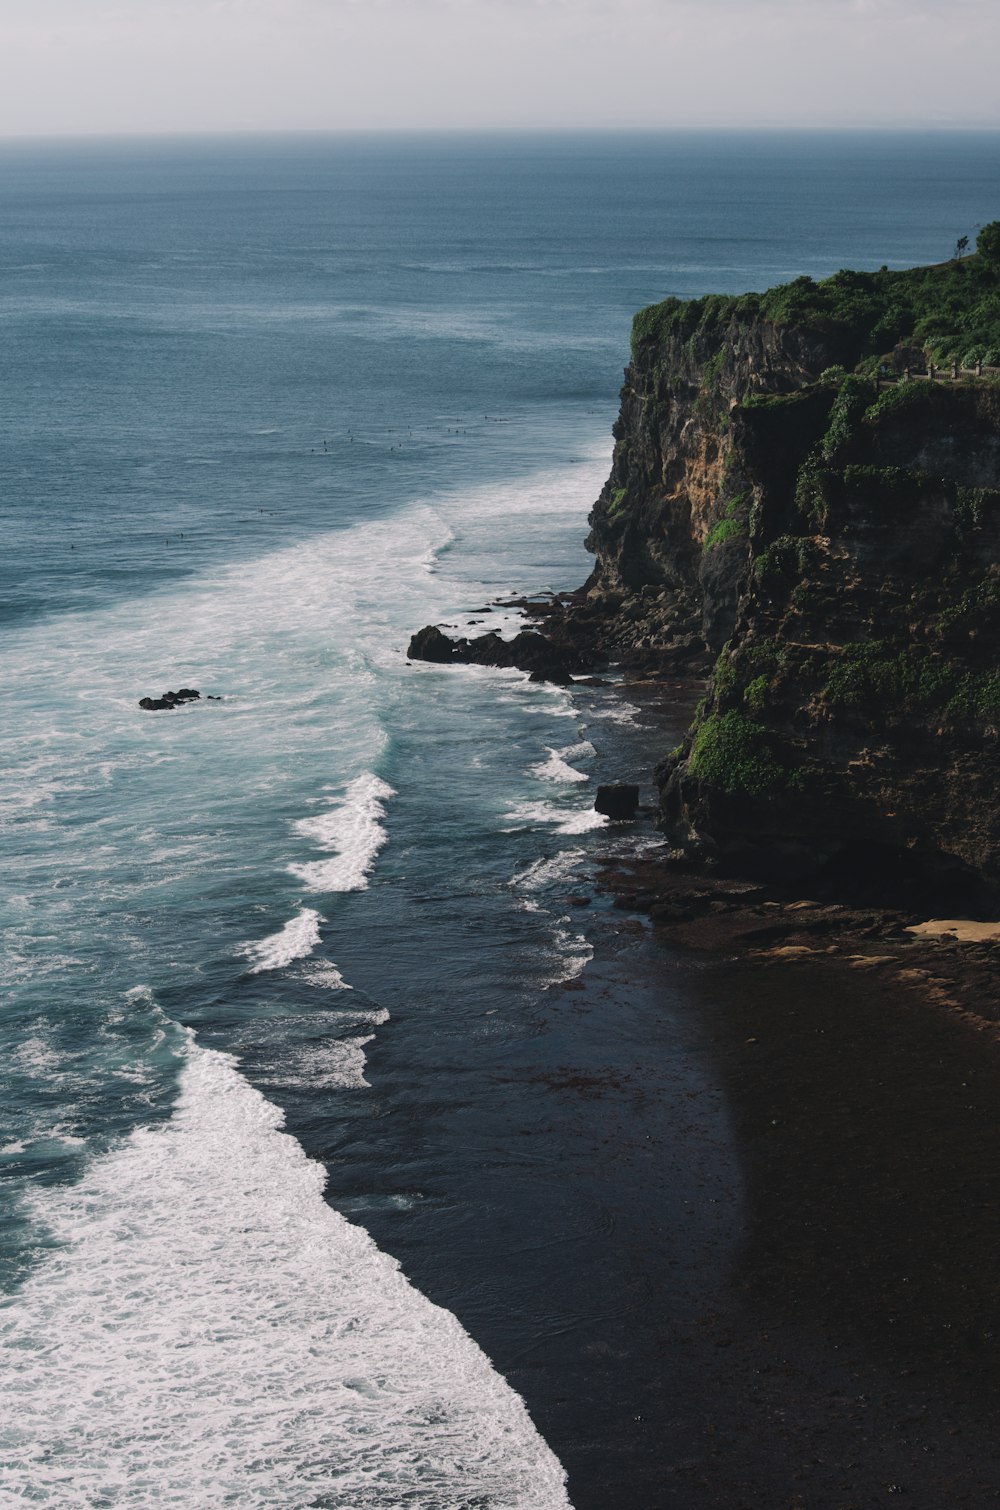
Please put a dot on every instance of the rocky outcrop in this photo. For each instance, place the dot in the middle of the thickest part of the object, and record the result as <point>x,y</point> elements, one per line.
<point>171,700</point>
<point>853,717</point>
<point>670,529</point>
<point>431,644</point>
<point>785,502</point>
<point>619,801</point>
<point>537,654</point>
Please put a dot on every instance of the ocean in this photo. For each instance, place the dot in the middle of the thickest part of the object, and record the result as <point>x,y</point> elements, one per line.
<point>272,961</point>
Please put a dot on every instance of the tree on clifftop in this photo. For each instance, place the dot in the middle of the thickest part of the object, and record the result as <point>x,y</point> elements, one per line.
<point>988,242</point>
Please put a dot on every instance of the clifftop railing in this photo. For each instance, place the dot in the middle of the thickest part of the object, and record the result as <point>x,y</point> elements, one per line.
<point>935,374</point>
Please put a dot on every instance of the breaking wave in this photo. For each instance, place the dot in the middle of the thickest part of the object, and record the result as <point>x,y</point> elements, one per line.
<point>353,831</point>
<point>296,940</point>
<point>210,1332</point>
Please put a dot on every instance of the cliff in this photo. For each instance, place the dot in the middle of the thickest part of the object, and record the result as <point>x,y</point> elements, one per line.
<point>795,496</point>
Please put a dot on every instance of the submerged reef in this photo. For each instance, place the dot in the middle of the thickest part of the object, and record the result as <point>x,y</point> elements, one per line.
<point>805,501</point>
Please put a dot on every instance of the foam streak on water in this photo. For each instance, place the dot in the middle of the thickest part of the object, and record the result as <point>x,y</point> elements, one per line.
<point>296,940</point>
<point>211,1333</point>
<point>353,830</point>
<point>565,820</point>
<point>557,766</point>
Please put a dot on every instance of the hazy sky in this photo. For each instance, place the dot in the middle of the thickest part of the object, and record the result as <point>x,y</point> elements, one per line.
<point>192,65</point>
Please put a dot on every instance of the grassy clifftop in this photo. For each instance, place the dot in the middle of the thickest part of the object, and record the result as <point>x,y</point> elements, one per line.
<point>951,310</point>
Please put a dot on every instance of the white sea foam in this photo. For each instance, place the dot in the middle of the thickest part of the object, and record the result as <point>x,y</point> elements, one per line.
<point>541,874</point>
<point>210,1332</point>
<point>279,1031</point>
<point>338,1064</point>
<point>575,951</point>
<point>325,973</point>
<point>621,713</point>
<point>529,701</point>
<point>296,940</point>
<point>353,831</point>
<point>572,951</point>
<point>565,820</point>
<point>557,767</point>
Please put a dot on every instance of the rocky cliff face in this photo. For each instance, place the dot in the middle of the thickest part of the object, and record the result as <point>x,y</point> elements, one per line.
<point>833,544</point>
<point>670,529</point>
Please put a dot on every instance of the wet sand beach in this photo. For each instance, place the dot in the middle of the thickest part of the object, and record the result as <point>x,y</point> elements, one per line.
<point>803,1253</point>
<point>730,1228</point>
<point>722,1208</point>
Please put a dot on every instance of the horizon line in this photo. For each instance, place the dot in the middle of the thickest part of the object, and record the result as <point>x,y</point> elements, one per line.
<point>685,128</point>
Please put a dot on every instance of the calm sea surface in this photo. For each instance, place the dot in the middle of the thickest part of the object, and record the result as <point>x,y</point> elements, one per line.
<point>268,406</point>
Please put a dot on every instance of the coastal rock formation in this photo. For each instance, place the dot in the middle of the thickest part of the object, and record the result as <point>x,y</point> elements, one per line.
<point>430,644</point>
<point>538,654</point>
<point>618,801</point>
<point>169,700</point>
<point>787,501</point>
<point>175,700</point>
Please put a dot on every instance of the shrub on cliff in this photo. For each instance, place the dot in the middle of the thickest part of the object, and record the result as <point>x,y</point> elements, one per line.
<point>878,675</point>
<point>988,242</point>
<point>854,398</point>
<point>733,752</point>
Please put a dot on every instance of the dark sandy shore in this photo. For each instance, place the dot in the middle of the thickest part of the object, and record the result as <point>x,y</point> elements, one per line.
<point>727,1222</point>
<point>835,1341</point>
<point>723,1209</point>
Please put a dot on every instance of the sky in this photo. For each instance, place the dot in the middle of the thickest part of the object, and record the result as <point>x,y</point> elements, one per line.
<point>124,66</point>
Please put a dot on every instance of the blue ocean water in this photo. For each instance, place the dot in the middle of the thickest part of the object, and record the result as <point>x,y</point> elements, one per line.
<point>269,405</point>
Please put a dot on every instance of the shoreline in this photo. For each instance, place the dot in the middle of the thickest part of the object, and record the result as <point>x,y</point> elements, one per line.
<point>752,1142</point>
<point>857,1320</point>
<point>835,1341</point>
<point>859,1058</point>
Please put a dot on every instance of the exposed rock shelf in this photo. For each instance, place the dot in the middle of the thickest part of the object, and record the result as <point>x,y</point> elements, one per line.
<point>537,654</point>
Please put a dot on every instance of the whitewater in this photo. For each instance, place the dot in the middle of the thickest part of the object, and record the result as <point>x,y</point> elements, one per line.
<point>210,1332</point>
<point>197,1325</point>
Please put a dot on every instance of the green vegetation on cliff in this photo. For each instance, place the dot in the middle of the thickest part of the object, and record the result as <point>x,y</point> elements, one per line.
<point>952,310</point>
<point>734,754</point>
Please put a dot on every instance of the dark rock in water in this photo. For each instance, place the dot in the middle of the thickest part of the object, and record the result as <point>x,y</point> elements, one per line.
<point>429,644</point>
<point>618,801</point>
<point>561,678</point>
<point>172,700</point>
<point>528,651</point>
<point>535,653</point>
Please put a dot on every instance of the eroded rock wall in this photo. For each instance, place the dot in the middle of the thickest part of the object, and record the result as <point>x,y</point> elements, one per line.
<point>833,545</point>
<point>854,714</point>
<point>670,529</point>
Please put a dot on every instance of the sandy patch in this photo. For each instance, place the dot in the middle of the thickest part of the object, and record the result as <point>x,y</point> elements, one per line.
<point>963,929</point>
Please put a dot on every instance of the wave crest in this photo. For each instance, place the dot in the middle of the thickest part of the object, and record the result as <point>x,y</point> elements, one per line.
<point>353,831</point>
